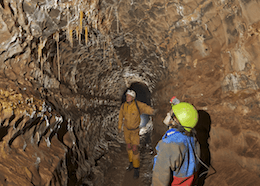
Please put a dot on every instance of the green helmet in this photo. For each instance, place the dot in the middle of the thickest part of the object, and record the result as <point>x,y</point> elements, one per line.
<point>186,114</point>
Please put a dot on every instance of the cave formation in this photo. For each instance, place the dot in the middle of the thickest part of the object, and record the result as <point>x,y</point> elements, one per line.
<point>65,66</point>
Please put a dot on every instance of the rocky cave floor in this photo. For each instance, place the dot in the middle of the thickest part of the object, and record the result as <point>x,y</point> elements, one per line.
<point>117,175</point>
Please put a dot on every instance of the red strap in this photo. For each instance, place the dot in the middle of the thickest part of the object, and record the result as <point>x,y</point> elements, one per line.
<point>187,181</point>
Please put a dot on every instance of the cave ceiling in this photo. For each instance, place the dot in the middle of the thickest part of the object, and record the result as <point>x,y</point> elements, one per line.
<point>64,66</point>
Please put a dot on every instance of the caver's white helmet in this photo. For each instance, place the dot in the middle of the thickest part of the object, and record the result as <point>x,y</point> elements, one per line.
<point>131,93</point>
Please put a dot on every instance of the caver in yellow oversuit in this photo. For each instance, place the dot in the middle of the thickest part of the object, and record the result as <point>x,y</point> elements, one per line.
<point>130,116</point>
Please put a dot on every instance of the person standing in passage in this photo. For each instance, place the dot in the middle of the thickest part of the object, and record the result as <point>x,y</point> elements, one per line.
<point>178,151</point>
<point>129,115</point>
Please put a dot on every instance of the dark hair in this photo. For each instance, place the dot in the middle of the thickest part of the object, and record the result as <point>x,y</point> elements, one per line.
<point>181,129</point>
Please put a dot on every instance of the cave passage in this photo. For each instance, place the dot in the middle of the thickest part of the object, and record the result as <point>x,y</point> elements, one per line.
<point>65,67</point>
<point>117,173</point>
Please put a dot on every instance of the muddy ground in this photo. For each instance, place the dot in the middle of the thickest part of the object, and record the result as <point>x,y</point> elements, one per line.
<point>117,175</point>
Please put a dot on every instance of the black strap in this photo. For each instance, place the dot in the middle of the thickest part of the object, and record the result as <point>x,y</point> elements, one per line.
<point>132,129</point>
<point>137,107</point>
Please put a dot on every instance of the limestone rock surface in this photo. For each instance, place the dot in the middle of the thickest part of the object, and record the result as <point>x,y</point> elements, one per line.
<point>64,66</point>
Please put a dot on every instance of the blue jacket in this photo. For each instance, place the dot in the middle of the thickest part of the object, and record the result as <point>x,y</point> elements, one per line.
<point>176,154</point>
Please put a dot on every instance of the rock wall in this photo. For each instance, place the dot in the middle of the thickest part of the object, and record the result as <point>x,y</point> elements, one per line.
<point>64,66</point>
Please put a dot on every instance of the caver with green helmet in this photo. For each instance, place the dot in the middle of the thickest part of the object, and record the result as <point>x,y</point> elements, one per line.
<point>178,150</point>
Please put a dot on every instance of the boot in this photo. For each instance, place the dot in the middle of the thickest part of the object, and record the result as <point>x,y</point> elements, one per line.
<point>130,167</point>
<point>136,173</point>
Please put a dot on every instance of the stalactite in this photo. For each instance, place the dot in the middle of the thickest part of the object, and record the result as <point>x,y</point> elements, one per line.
<point>80,25</point>
<point>104,50</point>
<point>77,32</point>
<point>69,29</point>
<point>40,47</point>
<point>40,51</point>
<point>97,41</point>
<point>117,21</point>
<point>86,35</point>
<point>70,36</point>
<point>58,53</point>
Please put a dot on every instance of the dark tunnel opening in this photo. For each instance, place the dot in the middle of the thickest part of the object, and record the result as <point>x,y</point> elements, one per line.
<point>142,93</point>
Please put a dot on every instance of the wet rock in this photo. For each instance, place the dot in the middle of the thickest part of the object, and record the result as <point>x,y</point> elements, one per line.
<point>67,140</point>
<point>79,57</point>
